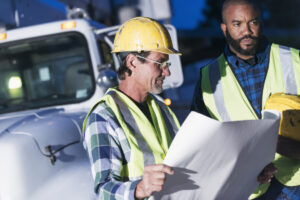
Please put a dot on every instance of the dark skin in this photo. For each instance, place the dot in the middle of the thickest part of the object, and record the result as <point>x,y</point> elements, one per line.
<point>240,21</point>
<point>267,173</point>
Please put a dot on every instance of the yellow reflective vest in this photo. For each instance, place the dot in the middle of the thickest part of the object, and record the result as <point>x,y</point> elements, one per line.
<point>225,100</point>
<point>148,142</point>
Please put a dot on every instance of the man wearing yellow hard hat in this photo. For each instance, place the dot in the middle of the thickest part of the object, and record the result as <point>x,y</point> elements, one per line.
<point>237,85</point>
<point>128,132</point>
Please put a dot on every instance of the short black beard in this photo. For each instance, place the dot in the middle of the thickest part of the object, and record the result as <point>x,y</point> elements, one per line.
<point>235,44</point>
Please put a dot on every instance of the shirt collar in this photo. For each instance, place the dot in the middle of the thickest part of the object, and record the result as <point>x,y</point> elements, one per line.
<point>259,58</point>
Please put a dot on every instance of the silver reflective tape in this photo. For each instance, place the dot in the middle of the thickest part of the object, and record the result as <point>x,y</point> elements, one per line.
<point>169,120</point>
<point>131,123</point>
<point>217,90</point>
<point>288,70</point>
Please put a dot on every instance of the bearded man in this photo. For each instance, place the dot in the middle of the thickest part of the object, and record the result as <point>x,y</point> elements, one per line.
<point>236,85</point>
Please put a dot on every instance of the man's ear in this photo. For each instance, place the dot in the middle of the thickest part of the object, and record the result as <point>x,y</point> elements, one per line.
<point>223,27</point>
<point>130,61</point>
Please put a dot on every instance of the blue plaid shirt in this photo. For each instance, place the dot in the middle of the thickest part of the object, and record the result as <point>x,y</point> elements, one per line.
<point>250,76</point>
<point>109,151</point>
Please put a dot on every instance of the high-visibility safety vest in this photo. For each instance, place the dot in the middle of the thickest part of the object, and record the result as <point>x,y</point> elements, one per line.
<point>225,99</point>
<point>148,142</point>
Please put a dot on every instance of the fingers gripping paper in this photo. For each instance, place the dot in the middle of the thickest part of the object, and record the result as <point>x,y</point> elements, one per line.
<point>219,160</point>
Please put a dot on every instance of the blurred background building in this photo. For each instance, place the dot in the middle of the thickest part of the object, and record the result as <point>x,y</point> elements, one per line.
<point>197,22</point>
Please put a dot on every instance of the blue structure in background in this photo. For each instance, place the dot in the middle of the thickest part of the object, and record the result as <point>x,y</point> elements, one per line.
<point>187,14</point>
<point>55,4</point>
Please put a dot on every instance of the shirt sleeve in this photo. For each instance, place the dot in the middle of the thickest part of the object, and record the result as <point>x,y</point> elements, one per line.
<point>198,102</point>
<point>107,159</point>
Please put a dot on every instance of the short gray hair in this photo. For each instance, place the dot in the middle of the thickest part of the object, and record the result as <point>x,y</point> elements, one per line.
<point>122,58</point>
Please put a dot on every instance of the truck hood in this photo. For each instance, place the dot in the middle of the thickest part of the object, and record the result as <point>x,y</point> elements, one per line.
<point>12,121</point>
<point>42,156</point>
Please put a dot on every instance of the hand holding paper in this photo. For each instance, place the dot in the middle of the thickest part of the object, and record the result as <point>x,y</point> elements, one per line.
<point>215,160</point>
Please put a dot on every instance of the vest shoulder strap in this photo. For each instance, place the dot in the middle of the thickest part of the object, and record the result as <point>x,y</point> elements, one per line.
<point>171,123</point>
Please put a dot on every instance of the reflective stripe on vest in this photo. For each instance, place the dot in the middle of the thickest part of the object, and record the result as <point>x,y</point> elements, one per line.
<point>148,142</point>
<point>215,79</point>
<point>135,131</point>
<point>283,80</point>
<point>169,117</point>
<point>226,101</point>
<point>288,70</point>
<point>223,96</point>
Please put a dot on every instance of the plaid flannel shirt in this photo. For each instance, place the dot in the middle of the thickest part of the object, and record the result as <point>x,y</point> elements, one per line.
<point>109,151</point>
<point>251,77</point>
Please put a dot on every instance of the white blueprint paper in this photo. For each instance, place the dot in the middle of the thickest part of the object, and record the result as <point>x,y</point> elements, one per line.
<point>215,160</point>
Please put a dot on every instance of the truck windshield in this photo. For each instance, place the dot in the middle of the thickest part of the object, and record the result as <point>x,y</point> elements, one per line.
<point>46,71</point>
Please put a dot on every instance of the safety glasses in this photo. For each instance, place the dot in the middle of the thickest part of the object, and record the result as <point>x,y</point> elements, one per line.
<point>161,65</point>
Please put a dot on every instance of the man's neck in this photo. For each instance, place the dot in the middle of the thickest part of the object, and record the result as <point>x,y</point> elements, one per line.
<point>133,91</point>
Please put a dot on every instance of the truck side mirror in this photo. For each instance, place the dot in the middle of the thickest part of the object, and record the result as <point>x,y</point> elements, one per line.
<point>107,78</point>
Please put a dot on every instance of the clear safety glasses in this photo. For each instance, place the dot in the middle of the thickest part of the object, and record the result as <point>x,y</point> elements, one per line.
<point>161,65</point>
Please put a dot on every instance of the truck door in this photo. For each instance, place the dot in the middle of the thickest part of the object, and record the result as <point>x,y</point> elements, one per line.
<point>176,78</point>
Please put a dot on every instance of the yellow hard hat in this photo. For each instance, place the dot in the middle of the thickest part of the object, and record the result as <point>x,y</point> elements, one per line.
<point>289,106</point>
<point>143,34</point>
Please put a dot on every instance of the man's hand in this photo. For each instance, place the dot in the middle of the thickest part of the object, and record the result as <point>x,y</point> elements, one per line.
<point>267,174</point>
<point>153,180</point>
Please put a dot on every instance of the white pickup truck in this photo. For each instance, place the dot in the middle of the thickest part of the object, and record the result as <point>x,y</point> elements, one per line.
<point>50,76</point>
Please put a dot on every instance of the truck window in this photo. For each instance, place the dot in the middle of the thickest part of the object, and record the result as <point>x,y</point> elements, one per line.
<point>106,55</point>
<point>45,71</point>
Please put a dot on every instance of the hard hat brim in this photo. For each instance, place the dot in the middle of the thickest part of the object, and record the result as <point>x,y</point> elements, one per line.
<point>164,51</point>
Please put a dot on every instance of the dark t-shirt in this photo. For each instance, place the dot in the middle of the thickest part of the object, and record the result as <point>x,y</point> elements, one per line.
<point>145,109</point>
<point>142,106</point>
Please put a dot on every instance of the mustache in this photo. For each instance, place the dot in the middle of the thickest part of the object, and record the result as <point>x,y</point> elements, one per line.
<point>248,37</point>
<point>161,78</point>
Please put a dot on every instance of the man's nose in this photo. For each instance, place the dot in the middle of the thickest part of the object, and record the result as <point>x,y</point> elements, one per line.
<point>166,71</point>
<point>247,30</point>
